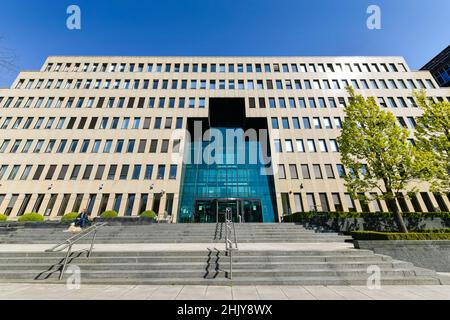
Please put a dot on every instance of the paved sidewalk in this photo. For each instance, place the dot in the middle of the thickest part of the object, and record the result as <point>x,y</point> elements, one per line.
<point>133,292</point>
<point>324,246</point>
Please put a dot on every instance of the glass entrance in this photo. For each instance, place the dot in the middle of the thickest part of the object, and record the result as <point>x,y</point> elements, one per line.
<point>213,210</point>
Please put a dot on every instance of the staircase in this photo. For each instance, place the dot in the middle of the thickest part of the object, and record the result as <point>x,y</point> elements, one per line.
<point>176,233</point>
<point>254,263</point>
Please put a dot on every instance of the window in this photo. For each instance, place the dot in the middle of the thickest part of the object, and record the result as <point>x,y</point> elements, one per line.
<point>317,171</point>
<point>341,170</point>
<point>165,146</point>
<point>293,171</point>
<point>75,171</point>
<point>305,171</point>
<point>316,123</point>
<point>99,173</point>
<point>173,172</point>
<point>306,123</point>
<point>148,172</point>
<point>136,172</point>
<point>112,172</point>
<point>322,145</point>
<point>124,172</point>
<point>161,172</point>
<point>285,123</point>
<point>281,171</point>
<point>311,146</point>
<point>300,145</point>
<point>288,145</point>
<point>334,145</point>
<point>275,123</point>
<point>329,171</point>
<point>277,143</point>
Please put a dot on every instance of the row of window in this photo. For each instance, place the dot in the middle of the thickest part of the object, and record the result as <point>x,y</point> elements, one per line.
<point>325,123</point>
<point>222,84</point>
<point>181,102</point>
<point>328,171</point>
<point>92,199</point>
<point>322,204</point>
<point>120,102</point>
<point>81,123</point>
<point>92,146</point>
<point>86,172</point>
<point>225,67</point>
<point>300,145</point>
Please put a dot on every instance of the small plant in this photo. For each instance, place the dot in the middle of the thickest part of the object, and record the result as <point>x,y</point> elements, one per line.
<point>3,218</point>
<point>69,217</point>
<point>109,214</point>
<point>31,217</point>
<point>148,214</point>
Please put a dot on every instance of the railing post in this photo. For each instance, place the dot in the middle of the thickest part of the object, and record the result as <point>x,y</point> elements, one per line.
<point>69,250</point>
<point>92,244</point>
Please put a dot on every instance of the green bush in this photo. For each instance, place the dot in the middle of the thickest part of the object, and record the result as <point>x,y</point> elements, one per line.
<point>69,217</point>
<point>31,217</point>
<point>3,217</point>
<point>299,216</point>
<point>148,214</point>
<point>373,235</point>
<point>109,215</point>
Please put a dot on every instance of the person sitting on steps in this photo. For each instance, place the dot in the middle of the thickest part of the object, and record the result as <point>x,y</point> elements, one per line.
<point>82,219</point>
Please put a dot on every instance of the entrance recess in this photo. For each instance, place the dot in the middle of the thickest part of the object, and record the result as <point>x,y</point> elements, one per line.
<point>214,210</point>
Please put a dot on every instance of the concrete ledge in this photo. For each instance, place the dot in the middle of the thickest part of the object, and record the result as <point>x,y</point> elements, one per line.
<point>433,255</point>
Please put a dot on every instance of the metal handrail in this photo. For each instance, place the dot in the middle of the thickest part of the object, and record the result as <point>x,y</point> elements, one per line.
<point>230,241</point>
<point>74,239</point>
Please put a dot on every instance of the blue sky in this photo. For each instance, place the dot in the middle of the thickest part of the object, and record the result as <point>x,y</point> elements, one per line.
<point>33,30</point>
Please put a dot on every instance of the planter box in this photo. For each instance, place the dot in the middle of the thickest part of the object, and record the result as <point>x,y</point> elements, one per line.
<point>430,254</point>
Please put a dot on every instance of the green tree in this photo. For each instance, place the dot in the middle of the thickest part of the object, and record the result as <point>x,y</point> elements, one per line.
<point>377,153</point>
<point>433,139</point>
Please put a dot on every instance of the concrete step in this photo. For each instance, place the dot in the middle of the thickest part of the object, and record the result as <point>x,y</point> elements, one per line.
<point>300,281</point>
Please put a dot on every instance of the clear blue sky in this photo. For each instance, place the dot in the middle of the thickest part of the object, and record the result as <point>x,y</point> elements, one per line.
<point>33,30</point>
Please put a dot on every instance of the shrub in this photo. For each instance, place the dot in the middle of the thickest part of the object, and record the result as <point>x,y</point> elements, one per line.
<point>68,217</point>
<point>148,214</point>
<point>373,235</point>
<point>31,217</point>
<point>3,217</point>
<point>109,215</point>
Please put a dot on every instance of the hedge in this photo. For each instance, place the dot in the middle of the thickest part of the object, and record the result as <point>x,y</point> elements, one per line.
<point>373,235</point>
<point>31,217</point>
<point>148,214</point>
<point>299,216</point>
<point>3,217</point>
<point>109,214</point>
<point>69,217</point>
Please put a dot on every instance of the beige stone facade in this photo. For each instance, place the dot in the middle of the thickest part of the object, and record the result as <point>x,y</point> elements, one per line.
<point>83,98</point>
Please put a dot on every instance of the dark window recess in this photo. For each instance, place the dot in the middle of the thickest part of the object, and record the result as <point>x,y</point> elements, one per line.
<point>51,172</point>
<point>141,103</point>
<point>37,174</point>
<point>131,103</point>
<point>71,123</point>
<point>82,123</point>
<point>93,123</point>
<point>100,102</point>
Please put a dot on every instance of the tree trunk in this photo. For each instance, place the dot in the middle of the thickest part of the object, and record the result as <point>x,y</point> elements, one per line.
<point>392,203</point>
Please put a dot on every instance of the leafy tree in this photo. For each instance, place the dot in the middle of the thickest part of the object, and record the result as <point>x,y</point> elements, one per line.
<point>433,139</point>
<point>377,153</point>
